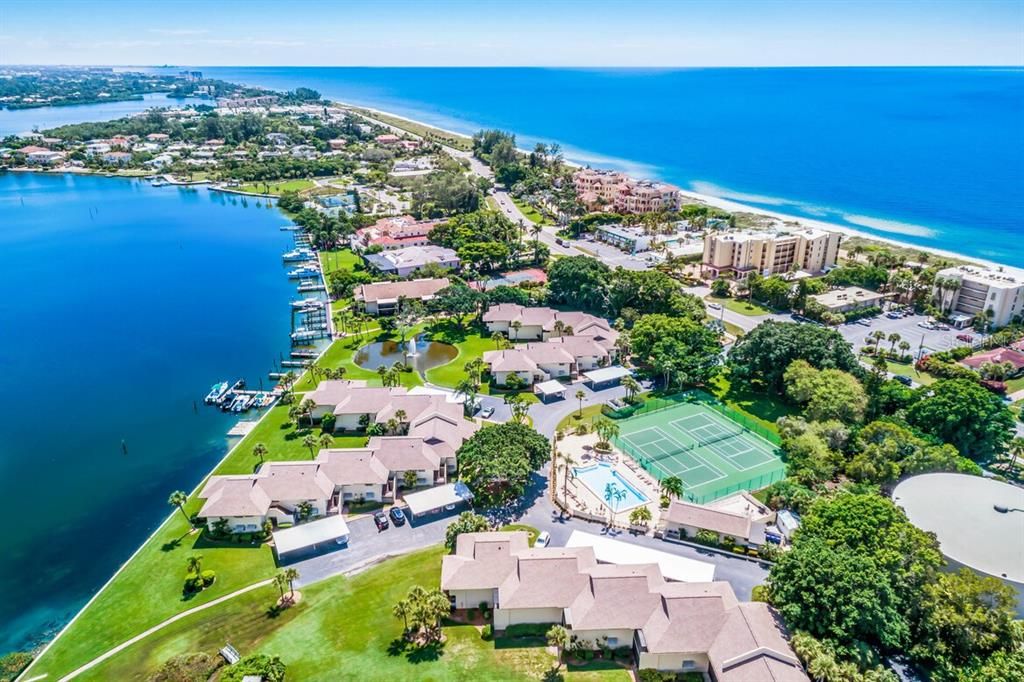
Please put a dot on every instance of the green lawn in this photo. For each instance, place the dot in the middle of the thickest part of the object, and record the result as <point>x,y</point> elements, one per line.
<point>906,369</point>
<point>1014,385</point>
<point>752,309</point>
<point>762,408</point>
<point>590,412</point>
<point>149,589</point>
<point>340,259</point>
<point>471,345</point>
<point>345,624</point>
<point>342,354</point>
<point>530,530</point>
<point>282,438</point>
<point>276,186</point>
<point>532,214</point>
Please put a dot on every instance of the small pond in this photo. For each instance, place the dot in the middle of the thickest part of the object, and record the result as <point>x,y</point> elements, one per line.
<point>417,352</point>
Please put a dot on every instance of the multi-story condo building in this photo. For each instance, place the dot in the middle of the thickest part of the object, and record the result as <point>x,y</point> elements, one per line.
<point>737,254</point>
<point>966,291</point>
<point>608,189</point>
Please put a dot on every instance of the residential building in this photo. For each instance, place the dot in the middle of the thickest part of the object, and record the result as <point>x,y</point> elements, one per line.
<point>278,139</point>
<point>524,323</point>
<point>117,158</point>
<point>673,626</point>
<point>406,261</point>
<point>45,158</point>
<point>737,254</point>
<point>847,299</point>
<point>1008,356</point>
<point>96,149</point>
<point>630,239</point>
<point>970,291</point>
<point>381,298</point>
<point>337,144</point>
<point>429,418</point>
<point>387,139</point>
<point>560,357</point>
<point>602,189</point>
<point>394,233</point>
<point>739,517</point>
<point>158,137</point>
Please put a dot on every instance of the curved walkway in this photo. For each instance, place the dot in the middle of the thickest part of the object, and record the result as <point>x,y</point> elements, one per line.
<point>176,617</point>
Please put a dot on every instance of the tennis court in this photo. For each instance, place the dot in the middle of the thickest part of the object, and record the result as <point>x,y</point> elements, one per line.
<point>713,455</point>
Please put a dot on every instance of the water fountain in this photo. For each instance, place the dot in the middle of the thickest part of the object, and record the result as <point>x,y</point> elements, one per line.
<point>411,347</point>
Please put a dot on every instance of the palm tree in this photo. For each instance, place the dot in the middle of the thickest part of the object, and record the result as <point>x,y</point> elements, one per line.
<point>904,347</point>
<point>536,231</point>
<point>580,395</point>
<point>194,563</point>
<point>558,637</point>
<point>606,429</point>
<point>290,575</point>
<point>567,463</point>
<point>306,408</point>
<point>498,339</point>
<point>640,516</point>
<point>325,441</point>
<point>558,328</point>
<point>516,326</point>
<point>613,493</point>
<point>281,583</point>
<point>310,441</point>
<point>631,385</point>
<point>1016,450</point>
<point>893,338</point>
<point>409,478</point>
<point>400,417</point>
<point>673,486</point>
<point>260,450</point>
<point>402,609</point>
<point>178,499</point>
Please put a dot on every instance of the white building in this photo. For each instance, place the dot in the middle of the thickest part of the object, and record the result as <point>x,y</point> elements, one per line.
<point>976,290</point>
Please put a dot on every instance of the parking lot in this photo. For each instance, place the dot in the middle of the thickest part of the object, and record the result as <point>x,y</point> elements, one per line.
<point>931,340</point>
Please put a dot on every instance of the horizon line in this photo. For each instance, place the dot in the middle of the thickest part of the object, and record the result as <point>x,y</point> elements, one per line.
<point>526,66</point>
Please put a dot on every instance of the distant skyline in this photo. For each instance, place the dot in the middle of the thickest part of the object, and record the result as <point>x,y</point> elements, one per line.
<point>524,33</point>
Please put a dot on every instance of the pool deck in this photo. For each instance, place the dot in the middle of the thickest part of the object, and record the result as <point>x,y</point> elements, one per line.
<point>582,499</point>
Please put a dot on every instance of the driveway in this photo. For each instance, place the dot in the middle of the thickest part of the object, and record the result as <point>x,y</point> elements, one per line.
<point>366,544</point>
<point>546,416</point>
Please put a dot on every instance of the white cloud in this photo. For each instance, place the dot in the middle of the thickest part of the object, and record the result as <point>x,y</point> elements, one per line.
<point>179,31</point>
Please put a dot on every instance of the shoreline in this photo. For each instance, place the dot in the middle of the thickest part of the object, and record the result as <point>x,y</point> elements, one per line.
<point>229,450</point>
<point>739,207</point>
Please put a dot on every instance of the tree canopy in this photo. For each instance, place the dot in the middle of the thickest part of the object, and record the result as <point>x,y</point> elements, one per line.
<point>964,414</point>
<point>679,348</point>
<point>497,460</point>
<point>578,280</point>
<point>762,356</point>
<point>825,394</point>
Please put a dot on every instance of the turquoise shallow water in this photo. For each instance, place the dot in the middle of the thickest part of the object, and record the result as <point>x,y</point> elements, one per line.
<point>931,156</point>
<point>122,304</point>
<point>597,477</point>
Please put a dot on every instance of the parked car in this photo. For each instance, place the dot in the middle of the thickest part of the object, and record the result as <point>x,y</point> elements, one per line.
<point>966,338</point>
<point>893,315</point>
<point>380,519</point>
<point>397,515</point>
<point>715,306</point>
<point>943,327</point>
<point>543,539</point>
<point>904,379</point>
<point>487,412</point>
<point>926,325</point>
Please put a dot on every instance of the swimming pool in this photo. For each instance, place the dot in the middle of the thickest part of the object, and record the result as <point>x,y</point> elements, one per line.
<point>610,487</point>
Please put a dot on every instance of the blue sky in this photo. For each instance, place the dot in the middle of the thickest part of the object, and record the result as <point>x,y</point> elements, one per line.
<point>513,32</point>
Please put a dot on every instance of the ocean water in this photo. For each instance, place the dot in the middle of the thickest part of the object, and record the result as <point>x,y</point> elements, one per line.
<point>930,156</point>
<point>122,303</point>
<point>17,121</point>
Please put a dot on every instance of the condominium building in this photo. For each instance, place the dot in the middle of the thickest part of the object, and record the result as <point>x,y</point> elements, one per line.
<point>599,189</point>
<point>966,291</point>
<point>737,254</point>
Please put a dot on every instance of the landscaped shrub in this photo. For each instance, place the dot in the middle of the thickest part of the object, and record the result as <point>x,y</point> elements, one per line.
<point>328,422</point>
<point>193,583</point>
<point>528,629</point>
<point>208,577</point>
<point>487,633</point>
<point>588,654</point>
<point>471,614</point>
<point>624,653</point>
<point>706,537</point>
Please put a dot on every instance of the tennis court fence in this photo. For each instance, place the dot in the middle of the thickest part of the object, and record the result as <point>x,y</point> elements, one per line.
<point>693,396</point>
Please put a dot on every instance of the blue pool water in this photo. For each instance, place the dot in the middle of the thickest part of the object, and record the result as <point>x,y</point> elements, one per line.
<point>931,156</point>
<point>597,477</point>
<point>122,303</point>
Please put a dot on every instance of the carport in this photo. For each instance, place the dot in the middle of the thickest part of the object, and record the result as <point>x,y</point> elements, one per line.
<point>673,566</point>
<point>309,535</point>
<point>434,500</point>
<point>549,390</point>
<point>606,377</point>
